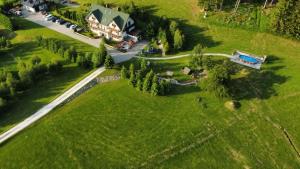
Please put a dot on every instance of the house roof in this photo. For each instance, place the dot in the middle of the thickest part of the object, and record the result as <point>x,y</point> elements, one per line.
<point>106,15</point>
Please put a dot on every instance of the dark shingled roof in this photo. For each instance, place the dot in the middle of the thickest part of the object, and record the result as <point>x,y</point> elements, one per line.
<point>106,15</point>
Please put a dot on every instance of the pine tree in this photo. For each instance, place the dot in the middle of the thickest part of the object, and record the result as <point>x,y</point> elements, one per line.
<point>123,73</point>
<point>109,62</point>
<point>132,80</point>
<point>178,40</point>
<point>139,85</point>
<point>148,81</point>
<point>173,27</point>
<point>154,89</point>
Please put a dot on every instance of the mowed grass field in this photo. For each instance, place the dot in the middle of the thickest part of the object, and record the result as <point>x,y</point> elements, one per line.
<point>114,126</point>
<point>47,88</point>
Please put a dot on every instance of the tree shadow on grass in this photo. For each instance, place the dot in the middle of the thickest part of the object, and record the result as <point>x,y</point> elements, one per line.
<point>23,24</point>
<point>259,84</point>
<point>38,95</point>
<point>193,34</point>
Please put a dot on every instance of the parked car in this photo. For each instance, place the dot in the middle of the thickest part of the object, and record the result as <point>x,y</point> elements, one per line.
<point>78,29</point>
<point>68,24</point>
<point>48,15</point>
<point>54,19</point>
<point>61,21</point>
<point>49,18</point>
<point>73,27</point>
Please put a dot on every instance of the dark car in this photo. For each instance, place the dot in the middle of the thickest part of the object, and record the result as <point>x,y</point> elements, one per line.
<point>68,24</point>
<point>61,21</point>
<point>54,19</point>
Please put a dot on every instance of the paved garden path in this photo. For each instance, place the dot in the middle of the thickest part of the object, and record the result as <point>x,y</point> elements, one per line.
<point>182,56</point>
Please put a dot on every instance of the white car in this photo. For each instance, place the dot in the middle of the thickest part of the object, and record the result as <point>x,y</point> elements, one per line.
<point>73,27</point>
<point>47,16</point>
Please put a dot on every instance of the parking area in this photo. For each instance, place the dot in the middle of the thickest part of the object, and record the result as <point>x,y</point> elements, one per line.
<point>118,56</point>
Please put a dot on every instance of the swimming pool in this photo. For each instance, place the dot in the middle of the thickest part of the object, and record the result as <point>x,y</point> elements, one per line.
<point>248,59</point>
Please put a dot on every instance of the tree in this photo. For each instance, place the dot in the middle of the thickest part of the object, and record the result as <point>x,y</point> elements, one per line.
<point>132,80</point>
<point>68,55</point>
<point>178,40</point>
<point>61,52</point>
<point>81,60</point>
<point>123,73</point>
<point>73,54</point>
<point>87,63</point>
<point>218,81</point>
<point>143,65</point>
<point>285,19</point>
<point>150,31</point>
<point>109,62</point>
<point>208,63</point>
<point>173,27</point>
<point>102,49</point>
<point>197,58</point>
<point>5,22</point>
<point>24,73</point>
<point>139,85</point>
<point>96,59</point>
<point>154,89</point>
<point>162,36</point>
<point>148,81</point>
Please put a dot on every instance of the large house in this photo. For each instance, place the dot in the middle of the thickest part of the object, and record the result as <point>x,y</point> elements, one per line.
<point>34,5</point>
<point>110,23</point>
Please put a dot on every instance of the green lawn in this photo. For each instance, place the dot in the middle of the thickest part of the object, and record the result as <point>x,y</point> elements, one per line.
<point>114,126</point>
<point>49,87</point>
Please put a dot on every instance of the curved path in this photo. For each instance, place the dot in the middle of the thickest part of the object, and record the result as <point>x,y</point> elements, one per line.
<point>182,56</point>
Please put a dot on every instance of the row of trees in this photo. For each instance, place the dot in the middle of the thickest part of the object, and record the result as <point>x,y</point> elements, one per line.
<point>171,37</point>
<point>145,80</point>
<point>96,59</point>
<point>28,73</point>
<point>58,47</point>
<point>76,16</point>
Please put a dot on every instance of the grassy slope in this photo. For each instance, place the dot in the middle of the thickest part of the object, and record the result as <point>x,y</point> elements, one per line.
<point>48,88</point>
<point>109,127</point>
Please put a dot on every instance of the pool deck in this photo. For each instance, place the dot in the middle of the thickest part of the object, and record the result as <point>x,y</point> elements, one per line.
<point>236,58</point>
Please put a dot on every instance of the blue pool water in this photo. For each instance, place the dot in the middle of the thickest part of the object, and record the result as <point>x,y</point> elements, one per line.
<point>248,59</point>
